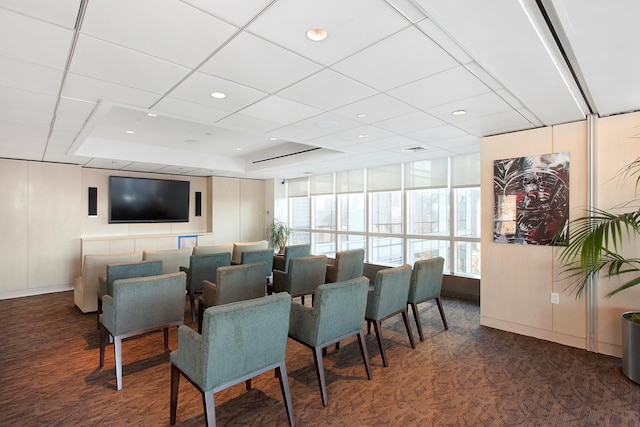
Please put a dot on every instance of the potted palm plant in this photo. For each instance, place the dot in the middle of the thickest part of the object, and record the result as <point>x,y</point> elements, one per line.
<point>595,249</point>
<point>277,234</point>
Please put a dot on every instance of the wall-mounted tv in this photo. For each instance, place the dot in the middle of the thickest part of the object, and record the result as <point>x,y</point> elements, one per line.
<point>134,200</point>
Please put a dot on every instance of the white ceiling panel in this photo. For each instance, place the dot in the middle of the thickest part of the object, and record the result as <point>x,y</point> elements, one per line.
<point>384,66</point>
<point>475,107</point>
<point>280,110</point>
<point>239,13</point>
<point>493,124</point>
<point>327,90</point>
<point>20,101</point>
<point>157,28</point>
<point>408,9</point>
<point>411,122</point>
<point>436,134</point>
<point>189,110</point>
<point>116,64</point>
<point>358,24</point>
<point>375,108</point>
<point>316,127</point>
<point>93,90</point>
<point>29,77</point>
<point>60,12</point>
<point>247,123</point>
<point>255,62</point>
<point>32,40</point>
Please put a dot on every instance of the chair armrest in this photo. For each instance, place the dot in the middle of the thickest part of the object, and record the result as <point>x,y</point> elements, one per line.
<point>108,314</point>
<point>188,356</point>
<point>303,323</point>
<point>332,273</point>
<point>103,289</point>
<point>279,281</point>
<point>210,293</point>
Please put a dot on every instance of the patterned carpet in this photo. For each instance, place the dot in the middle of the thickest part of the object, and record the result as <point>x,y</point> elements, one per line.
<point>467,376</point>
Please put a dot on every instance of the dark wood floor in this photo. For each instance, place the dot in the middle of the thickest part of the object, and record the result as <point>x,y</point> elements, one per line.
<point>467,376</point>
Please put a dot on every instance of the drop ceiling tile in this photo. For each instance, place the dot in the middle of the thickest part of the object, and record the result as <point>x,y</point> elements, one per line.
<point>508,121</point>
<point>476,106</point>
<point>351,25</point>
<point>362,134</point>
<point>385,66</point>
<point>250,124</point>
<point>280,110</point>
<point>116,64</point>
<point>443,40</point>
<point>327,90</point>
<point>93,90</point>
<point>157,28</point>
<point>199,86</point>
<point>316,127</point>
<point>29,77</point>
<point>466,149</point>
<point>452,143</point>
<point>408,123</point>
<point>238,13</point>
<point>60,12</point>
<point>436,134</point>
<point>240,60</point>
<point>33,40</point>
<point>395,142</point>
<point>408,9</point>
<point>189,110</point>
<point>377,108</point>
<point>442,88</point>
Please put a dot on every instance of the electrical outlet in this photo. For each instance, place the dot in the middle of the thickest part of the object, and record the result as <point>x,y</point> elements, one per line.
<point>555,298</point>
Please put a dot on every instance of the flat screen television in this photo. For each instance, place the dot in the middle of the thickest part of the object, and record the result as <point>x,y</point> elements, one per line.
<point>134,200</point>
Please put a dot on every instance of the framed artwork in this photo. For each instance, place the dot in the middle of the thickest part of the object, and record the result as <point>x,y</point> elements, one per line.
<point>531,200</point>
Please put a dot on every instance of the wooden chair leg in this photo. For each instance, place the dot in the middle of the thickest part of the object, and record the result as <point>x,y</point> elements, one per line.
<point>98,313</point>
<point>444,318</point>
<point>117,349</point>
<point>200,316</point>
<point>166,338</point>
<point>103,339</point>
<point>209,408</point>
<point>247,384</point>
<point>281,373</point>
<point>175,382</point>
<point>363,351</point>
<point>407,325</point>
<point>377,326</point>
<point>193,305</point>
<point>317,360</point>
<point>416,317</point>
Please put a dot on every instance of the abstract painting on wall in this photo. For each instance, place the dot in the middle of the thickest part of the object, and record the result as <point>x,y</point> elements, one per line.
<point>531,200</point>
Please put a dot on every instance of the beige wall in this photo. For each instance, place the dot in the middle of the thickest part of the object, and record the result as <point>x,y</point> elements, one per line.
<point>45,225</point>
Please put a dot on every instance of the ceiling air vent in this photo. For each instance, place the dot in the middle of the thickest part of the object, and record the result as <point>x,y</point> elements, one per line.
<point>414,149</point>
<point>287,155</point>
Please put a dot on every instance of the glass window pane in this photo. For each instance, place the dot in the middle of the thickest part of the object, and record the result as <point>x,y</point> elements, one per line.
<point>323,244</point>
<point>348,242</point>
<point>467,212</point>
<point>351,212</point>
<point>467,258</point>
<point>300,212</point>
<point>299,238</point>
<point>386,251</point>
<point>385,212</point>
<point>323,208</point>
<point>428,212</point>
<point>427,249</point>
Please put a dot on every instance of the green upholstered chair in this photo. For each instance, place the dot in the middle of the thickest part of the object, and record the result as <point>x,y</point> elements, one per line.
<point>348,265</point>
<point>426,283</point>
<point>232,283</point>
<point>201,268</point>
<point>281,262</point>
<point>303,276</point>
<point>124,270</point>
<point>239,341</point>
<point>337,314</point>
<point>140,305</point>
<point>259,256</point>
<point>389,298</point>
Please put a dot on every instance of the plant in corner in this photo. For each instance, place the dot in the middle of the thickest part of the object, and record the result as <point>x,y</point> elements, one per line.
<point>595,248</point>
<point>277,234</point>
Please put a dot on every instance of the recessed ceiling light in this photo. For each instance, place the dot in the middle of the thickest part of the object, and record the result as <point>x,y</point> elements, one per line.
<point>152,115</point>
<point>273,138</point>
<point>239,149</point>
<point>459,112</point>
<point>218,95</point>
<point>129,131</point>
<point>317,34</point>
<point>362,135</point>
<point>361,115</point>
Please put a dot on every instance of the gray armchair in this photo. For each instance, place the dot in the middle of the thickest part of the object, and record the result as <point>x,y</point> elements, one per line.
<point>124,270</point>
<point>123,317</point>
<point>233,283</point>
<point>426,283</point>
<point>281,262</point>
<point>202,267</point>
<point>337,314</point>
<point>239,341</point>
<point>304,276</point>
<point>259,256</point>
<point>348,265</point>
<point>387,299</point>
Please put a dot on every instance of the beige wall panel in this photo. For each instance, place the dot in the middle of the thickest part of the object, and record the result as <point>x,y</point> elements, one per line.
<point>54,229</point>
<point>14,180</point>
<point>618,144</point>
<point>252,210</point>
<point>516,279</point>
<point>570,316</point>
<point>226,210</point>
<point>156,243</point>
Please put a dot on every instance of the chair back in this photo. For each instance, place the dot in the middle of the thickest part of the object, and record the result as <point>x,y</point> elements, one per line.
<point>172,259</point>
<point>426,279</point>
<point>215,249</point>
<point>243,337</point>
<point>161,296</point>
<point>390,291</point>
<point>259,256</point>
<point>235,283</point>
<point>348,265</point>
<point>340,308</point>
<point>304,276</point>
<point>204,267</point>
<point>128,270</point>
<point>240,247</point>
<point>295,251</point>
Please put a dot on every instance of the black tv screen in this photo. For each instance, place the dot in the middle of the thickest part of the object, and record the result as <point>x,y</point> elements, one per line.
<point>134,200</point>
